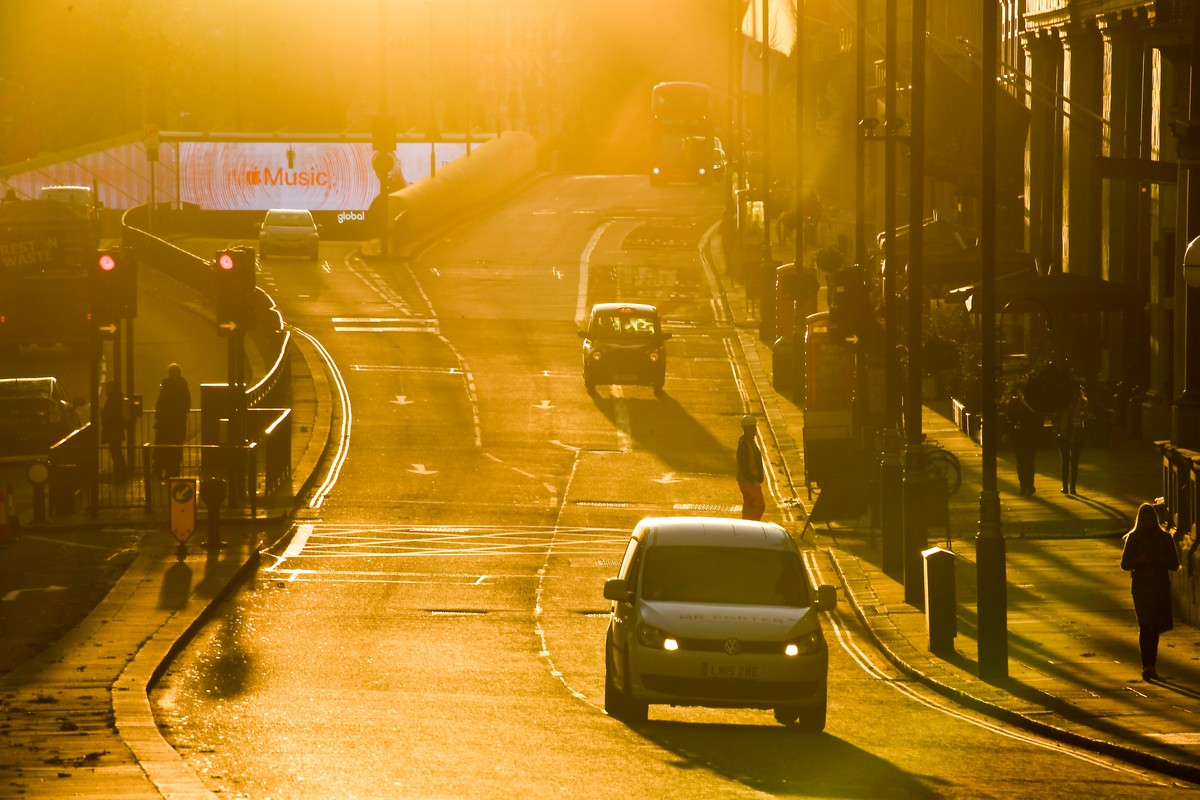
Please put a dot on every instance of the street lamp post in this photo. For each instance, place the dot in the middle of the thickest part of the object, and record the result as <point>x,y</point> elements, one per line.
<point>990,551</point>
<point>891,490</point>
<point>766,328</point>
<point>915,486</point>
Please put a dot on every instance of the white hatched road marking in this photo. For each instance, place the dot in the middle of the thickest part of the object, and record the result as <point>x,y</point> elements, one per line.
<point>349,543</point>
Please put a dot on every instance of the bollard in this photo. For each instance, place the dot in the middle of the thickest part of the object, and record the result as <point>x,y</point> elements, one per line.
<point>212,492</point>
<point>941,621</point>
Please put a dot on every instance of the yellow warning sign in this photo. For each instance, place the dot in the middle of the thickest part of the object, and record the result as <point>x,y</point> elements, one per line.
<point>183,507</point>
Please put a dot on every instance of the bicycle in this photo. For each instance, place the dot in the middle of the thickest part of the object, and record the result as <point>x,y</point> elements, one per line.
<point>941,464</point>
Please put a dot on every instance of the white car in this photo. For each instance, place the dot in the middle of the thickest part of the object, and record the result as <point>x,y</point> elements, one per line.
<point>719,613</point>
<point>289,231</point>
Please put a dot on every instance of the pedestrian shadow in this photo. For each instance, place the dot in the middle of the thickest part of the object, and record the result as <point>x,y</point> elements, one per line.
<point>176,586</point>
<point>1175,687</point>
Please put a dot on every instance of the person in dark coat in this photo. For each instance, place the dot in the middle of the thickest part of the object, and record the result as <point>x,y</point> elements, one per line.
<point>750,470</point>
<point>112,429</point>
<point>1069,431</point>
<point>1148,555</point>
<point>1025,429</point>
<point>170,422</point>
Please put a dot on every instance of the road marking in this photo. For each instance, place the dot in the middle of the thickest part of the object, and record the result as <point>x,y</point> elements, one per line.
<point>347,415</point>
<point>401,400</point>
<point>621,414</point>
<point>14,594</point>
<point>545,405</point>
<point>585,258</point>
<point>668,477</point>
<point>419,469</point>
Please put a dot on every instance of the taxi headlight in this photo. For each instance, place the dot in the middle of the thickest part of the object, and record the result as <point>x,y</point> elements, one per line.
<point>655,356</point>
<point>650,636</point>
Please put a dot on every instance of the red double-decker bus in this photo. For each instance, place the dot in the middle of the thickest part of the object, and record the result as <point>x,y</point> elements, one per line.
<point>683,148</point>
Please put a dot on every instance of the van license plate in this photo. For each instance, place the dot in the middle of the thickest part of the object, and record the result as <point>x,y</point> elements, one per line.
<point>739,671</point>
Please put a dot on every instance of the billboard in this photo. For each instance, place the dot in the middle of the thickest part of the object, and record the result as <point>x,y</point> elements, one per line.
<point>319,176</point>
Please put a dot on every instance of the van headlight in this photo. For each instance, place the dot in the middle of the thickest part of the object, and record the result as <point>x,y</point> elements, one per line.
<point>808,644</point>
<point>650,636</point>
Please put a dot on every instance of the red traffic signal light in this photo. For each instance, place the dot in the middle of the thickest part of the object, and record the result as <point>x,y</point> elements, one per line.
<point>113,289</point>
<point>234,291</point>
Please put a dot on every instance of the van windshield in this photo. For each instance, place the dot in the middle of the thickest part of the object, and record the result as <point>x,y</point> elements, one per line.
<point>725,576</point>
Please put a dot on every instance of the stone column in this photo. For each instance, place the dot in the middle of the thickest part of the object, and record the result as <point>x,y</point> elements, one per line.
<point>1045,56</point>
<point>1083,68</point>
<point>1127,234</point>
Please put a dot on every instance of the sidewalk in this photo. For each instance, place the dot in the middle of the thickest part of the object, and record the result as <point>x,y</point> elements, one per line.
<point>76,720</point>
<point>1074,669</point>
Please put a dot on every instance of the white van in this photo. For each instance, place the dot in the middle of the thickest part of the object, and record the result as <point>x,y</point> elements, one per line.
<point>716,612</point>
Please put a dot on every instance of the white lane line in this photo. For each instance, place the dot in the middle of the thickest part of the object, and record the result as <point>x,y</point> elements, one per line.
<point>343,448</point>
<point>581,309</point>
<point>621,414</point>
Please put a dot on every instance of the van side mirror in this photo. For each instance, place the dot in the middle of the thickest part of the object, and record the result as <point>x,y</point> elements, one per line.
<point>826,597</point>
<point>617,589</point>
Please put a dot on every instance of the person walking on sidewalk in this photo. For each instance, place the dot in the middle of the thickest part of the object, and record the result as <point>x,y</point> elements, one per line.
<point>112,429</point>
<point>170,422</point>
<point>1025,428</point>
<point>1148,555</point>
<point>750,470</point>
<point>1069,430</point>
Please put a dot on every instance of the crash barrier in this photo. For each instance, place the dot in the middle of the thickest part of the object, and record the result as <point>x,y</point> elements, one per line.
<point>1181,495</point>
<point>493,168</point>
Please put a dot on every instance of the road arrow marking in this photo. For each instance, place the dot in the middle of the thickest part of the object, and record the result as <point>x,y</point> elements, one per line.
<point>401,400</point>
<point>668,477</point>
<point>419,469</point>
<point>13,595</point>
<point>544,405</point>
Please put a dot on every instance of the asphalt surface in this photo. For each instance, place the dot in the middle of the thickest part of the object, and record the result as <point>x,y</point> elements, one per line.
<point>78,662</point>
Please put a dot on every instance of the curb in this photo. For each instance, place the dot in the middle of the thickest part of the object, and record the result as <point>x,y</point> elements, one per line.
<point>1139,758</point>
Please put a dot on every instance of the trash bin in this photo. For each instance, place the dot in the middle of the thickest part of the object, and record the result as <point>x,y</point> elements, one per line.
<point>941,621</point>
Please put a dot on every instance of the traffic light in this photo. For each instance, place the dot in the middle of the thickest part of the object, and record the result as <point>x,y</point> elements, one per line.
<point>234,274</point>
<point>113,288</point>
<point>849,306</point>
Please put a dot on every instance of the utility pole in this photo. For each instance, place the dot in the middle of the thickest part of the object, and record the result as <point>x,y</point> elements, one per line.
<point>766,327</point>
<point>891,489</point>
<point>915,483</point>
<point>990,552</point>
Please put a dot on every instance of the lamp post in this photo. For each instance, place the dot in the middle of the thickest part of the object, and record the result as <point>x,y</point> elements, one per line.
<point>915,488</point>
<point>891,490</point>
<point>766,327</point>
<point>990,550</point>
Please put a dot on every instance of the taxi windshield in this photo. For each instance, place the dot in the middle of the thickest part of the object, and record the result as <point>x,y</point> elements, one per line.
<point>622,324</point>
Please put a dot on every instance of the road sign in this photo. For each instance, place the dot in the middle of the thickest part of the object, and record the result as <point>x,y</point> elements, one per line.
<point>183,507</point>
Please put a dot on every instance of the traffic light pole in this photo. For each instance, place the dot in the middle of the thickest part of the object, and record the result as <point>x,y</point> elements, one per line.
<point>237,439</point>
